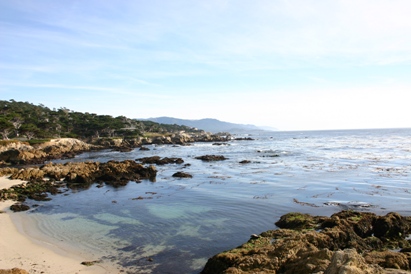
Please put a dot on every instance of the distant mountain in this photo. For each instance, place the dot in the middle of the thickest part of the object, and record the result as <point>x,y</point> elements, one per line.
<point>208,124</point>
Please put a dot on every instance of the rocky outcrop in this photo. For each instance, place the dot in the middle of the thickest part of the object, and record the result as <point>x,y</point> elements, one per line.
<point>156,160</point>
<point>346,242</point>
<point>211,158</point>
<point>181,138</point>
<point>22,153</point>
<point>49,178</point>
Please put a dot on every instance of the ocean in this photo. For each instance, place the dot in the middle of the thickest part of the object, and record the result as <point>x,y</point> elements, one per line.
<point>174,225</point>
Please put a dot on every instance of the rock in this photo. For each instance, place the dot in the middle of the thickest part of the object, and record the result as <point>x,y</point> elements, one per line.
<point>297,221</point>
<point>392,225</point>
<point>23,153</point>
<point>388,259</point>
<point>182,175</point>
<point>90,263</point>
<point>19,207</point>
<point>348,261</point>
<point>158,161</point>
<point>13,271</point>
<point>28,174</point>
<point>209,158</point>
<point>245,162</point>
<point>313,244</point>
<point>123,149</point>
<point>244,139</point>
<point>75,175</point>
<point>144,148</point>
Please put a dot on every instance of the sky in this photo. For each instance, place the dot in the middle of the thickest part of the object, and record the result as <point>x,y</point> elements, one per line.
<point>288,64</point>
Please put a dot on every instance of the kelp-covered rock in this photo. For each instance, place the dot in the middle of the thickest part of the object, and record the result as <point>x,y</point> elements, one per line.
<point>346,242</point>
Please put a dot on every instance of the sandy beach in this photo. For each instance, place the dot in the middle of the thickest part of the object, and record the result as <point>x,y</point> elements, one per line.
<point>40,255</point>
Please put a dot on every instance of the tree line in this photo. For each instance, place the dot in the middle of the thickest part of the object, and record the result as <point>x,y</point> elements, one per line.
<point>24,120</point>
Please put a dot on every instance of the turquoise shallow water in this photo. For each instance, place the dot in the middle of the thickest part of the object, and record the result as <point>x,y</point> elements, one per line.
<point>180,223</point>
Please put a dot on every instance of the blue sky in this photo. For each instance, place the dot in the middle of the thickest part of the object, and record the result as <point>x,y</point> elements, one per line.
<point>293,65</point>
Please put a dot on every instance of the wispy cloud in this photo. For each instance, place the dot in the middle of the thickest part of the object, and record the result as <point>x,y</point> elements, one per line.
<point>117,91</point>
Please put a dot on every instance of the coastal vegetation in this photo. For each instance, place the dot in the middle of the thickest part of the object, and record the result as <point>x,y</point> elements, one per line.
<point>26,121</point>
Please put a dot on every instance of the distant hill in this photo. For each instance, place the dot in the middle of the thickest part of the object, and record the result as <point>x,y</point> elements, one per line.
<point>208,124</point>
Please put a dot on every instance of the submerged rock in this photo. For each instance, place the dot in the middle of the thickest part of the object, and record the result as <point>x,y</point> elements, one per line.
<point>346,242</point>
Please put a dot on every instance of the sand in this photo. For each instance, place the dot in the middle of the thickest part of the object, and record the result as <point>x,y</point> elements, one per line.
<point>7,183</point>
<point>40,255</point>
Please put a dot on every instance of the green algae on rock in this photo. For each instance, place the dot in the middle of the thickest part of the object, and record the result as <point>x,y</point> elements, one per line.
<point>360,242</point>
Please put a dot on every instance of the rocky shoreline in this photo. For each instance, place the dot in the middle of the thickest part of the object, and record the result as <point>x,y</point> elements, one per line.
<point>22,153</point>
<point>346,242</point>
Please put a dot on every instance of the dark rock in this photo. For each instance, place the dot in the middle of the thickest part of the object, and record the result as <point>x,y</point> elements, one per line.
<point>19,207</point>
<point>90,263</point>
<point>210,158</point>
<point>144,148</point>
<point>160,161</point>
<point>244,139</point>
<point>182,175</point>
<point>392,225</point>
<point>123,149</point>
<point>245,162</point>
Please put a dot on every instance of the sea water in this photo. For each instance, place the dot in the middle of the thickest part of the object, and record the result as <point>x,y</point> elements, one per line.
<point>174,225</point>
